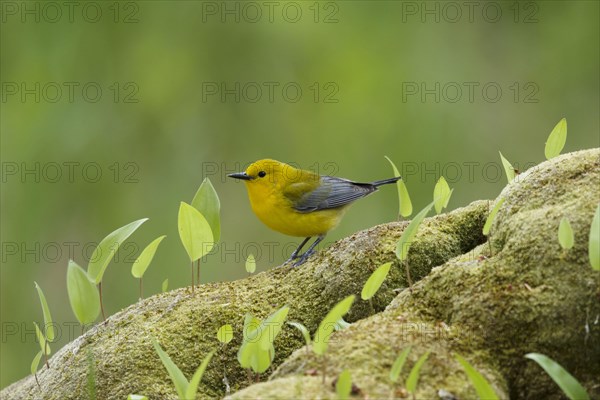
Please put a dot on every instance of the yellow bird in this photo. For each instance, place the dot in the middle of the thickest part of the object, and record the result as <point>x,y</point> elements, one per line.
<point>301,203</point>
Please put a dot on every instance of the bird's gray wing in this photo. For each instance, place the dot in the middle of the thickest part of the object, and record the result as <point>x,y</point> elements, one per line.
<point>332,193</point>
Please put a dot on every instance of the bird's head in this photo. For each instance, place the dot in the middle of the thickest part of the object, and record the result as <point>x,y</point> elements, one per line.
<point>269,173</point>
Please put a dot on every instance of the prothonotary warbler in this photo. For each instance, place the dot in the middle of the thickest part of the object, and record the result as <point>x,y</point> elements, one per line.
<point>301,203</point>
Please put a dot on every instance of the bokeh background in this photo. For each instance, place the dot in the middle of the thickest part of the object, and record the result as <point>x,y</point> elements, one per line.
<point>112,112</point>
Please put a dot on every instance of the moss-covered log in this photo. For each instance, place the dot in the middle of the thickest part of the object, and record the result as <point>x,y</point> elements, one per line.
<point>528,295</point>
<point>185,322</point>
<point>491,303</point>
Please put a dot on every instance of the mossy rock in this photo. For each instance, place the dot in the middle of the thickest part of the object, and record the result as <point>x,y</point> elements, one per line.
<point>492,303</point>
<point>185,322</point>
<point>516,294</point>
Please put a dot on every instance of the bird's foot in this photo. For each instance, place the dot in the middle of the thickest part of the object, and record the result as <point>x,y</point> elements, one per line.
<point>287,263</point>
<point>303,258</point>
<point>291,259</point>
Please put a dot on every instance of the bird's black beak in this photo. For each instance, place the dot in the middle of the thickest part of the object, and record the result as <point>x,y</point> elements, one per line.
<point>240,175</point>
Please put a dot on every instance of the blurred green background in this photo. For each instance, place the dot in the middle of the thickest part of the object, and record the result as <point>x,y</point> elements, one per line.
<point>116,111</point>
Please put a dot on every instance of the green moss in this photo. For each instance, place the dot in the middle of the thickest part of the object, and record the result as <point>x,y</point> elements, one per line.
<point>526,295</point>
<point>368,349</point>
<point>530,295</point>
<point>185,323</point>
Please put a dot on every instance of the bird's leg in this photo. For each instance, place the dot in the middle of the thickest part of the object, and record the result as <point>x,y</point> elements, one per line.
<point>310,251</point>
<point>295,253</point>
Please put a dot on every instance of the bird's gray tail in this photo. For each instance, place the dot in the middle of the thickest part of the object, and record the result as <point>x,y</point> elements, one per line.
<point>386,181</point>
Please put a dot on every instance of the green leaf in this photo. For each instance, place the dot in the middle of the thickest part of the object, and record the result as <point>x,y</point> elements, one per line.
<point>413,376</point>
<point>341,324</point>
<point>225,334</point>
<point>398,364</point>
<point>83,294</point>
<point>481,385</point>
<point>36,362</point>
<point>45,347</point>
<point>194,231</point>
<point>303,330</point>
<point>136,397</point>
<point>192,387</point>
<point>165,285</point>
<point>250,354</point>
<point>594,243</point>
<point>565,234</point>
<point>508,168</point>
<point>207,202</point>
<point>244,354</point>
<point>250,264</point>
<point>145,258</point>
<point>441,194</point>
<point>271,326</point>
<point>48,325</point>
<point>343,386</point>
<point>409,233</point>
<point>327,326</point>
<point>108,247</point>
<point>490,218</point>
<point>175,373</point>
<point>251,325</point>
<point>375,280</point>
<point>405,205</point>
<point>556,140</point>
<point>569,385</point>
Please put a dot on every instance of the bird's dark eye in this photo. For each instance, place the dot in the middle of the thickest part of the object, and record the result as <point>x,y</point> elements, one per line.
<point>262,174</point>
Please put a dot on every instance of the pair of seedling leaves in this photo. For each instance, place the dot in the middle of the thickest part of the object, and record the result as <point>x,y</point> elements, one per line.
<point>257,350</point>
<point>81,287</point>
<point>199,228</point>
<point>197,223</point>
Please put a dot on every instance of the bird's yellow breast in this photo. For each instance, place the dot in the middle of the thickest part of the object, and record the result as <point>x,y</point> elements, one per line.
<point>276,211</point>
